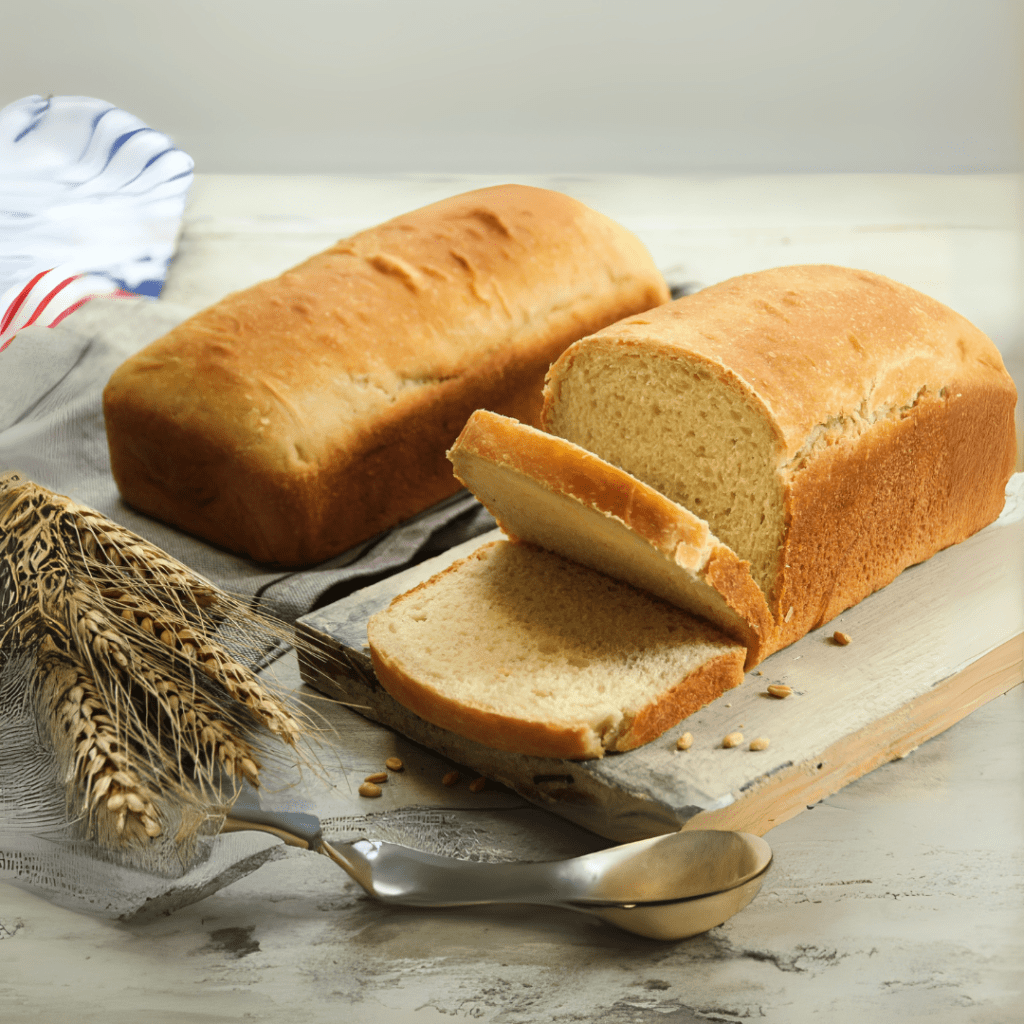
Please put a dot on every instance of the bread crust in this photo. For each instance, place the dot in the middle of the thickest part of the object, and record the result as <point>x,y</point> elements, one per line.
<point>688,696</point>
<point>892,420</point>
<point>298,417</point>
<point>862,512</point>
<point>566,469</point>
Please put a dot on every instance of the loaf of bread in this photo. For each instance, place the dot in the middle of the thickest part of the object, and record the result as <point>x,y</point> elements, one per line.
<point>831,426</point>
<point>294,419</point>
<point>553,494</point>
<point>523,650</point>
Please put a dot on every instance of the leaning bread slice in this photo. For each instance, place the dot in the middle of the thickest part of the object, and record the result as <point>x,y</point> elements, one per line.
<point>552,493</point>
<point>523,650</point>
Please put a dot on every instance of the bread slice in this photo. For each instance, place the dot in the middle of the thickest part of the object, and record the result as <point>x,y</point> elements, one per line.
<point>523,650</point>
<point>831,426</point>
<point>554,494</point>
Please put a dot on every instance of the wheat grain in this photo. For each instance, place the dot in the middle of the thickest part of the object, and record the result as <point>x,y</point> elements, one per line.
<point>685,741</point>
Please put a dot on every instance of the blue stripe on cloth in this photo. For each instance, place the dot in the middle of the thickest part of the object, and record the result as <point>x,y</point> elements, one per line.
<point>32,126</point>
<point>119,142</point>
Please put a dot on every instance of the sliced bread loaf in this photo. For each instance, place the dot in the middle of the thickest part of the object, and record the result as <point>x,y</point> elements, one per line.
<point>525,651</point>
<point>554,494</point>
<point>831,426</point>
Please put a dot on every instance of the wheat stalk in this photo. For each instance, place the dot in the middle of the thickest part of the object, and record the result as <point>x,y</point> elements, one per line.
<point>148,712</point>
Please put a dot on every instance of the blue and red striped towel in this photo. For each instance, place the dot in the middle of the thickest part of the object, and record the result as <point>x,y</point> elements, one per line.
<point>91,201</point>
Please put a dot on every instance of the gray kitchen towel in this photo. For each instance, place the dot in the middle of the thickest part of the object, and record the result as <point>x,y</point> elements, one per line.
<point>52,431</point>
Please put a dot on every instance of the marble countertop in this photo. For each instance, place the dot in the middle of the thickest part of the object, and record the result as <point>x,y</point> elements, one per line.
<point>901,897</point>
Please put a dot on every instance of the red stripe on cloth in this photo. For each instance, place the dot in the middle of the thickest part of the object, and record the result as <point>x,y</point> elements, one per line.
<point>12,310</point>
<point>81,302</point>
<point>42,305</point>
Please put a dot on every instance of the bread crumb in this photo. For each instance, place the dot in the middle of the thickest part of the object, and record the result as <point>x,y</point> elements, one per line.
<point>451,778</point>
<point>394,764</point>
<point>789,614</point>
<point>842,639</point>
<point>377,777</point>
<point>780,690</point>
<point>761,743</point>
<point>734,739</point>
<point>477,784</point>
<point>685,741</point>
<point>370,789</point>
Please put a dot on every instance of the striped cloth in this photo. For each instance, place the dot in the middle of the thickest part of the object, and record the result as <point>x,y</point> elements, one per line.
<point>91,201</point>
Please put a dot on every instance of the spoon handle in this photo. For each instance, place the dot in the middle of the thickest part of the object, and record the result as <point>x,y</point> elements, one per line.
<point>398,874</point>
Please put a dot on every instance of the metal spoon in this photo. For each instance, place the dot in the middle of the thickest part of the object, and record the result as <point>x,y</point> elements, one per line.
<point>669,887</point>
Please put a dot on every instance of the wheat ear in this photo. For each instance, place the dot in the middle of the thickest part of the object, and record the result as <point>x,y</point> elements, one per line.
<point>150,714</point>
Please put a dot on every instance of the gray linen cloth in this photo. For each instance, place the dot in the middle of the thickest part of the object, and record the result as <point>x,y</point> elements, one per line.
<point>52,431</point>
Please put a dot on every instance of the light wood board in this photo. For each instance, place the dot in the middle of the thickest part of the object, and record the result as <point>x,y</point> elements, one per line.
<point>945,637</point>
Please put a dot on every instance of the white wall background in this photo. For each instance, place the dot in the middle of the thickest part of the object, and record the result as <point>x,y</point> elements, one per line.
<point>543,85</point>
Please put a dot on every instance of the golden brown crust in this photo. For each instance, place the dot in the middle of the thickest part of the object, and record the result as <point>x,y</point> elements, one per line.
<point>298,417</point>
<point>697,690</point>
<point>860,513</point>
<point>566,469</point>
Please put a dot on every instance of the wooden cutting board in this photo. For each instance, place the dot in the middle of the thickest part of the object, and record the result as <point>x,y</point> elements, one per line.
<point>943,638</point>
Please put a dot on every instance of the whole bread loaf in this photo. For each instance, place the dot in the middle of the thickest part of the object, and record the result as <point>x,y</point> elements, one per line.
<point>831,426</point>
<point>296,418</point>
<point>553,494</point>
<point>523,650</point>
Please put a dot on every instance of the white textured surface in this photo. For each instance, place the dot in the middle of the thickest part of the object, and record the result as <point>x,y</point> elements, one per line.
<point>898,899</point>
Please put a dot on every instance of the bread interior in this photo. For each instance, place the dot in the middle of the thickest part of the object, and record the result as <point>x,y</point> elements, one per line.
<point>685,429</point>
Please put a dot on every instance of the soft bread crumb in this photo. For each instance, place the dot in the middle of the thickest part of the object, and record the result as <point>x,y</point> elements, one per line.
<point>522,647</point>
